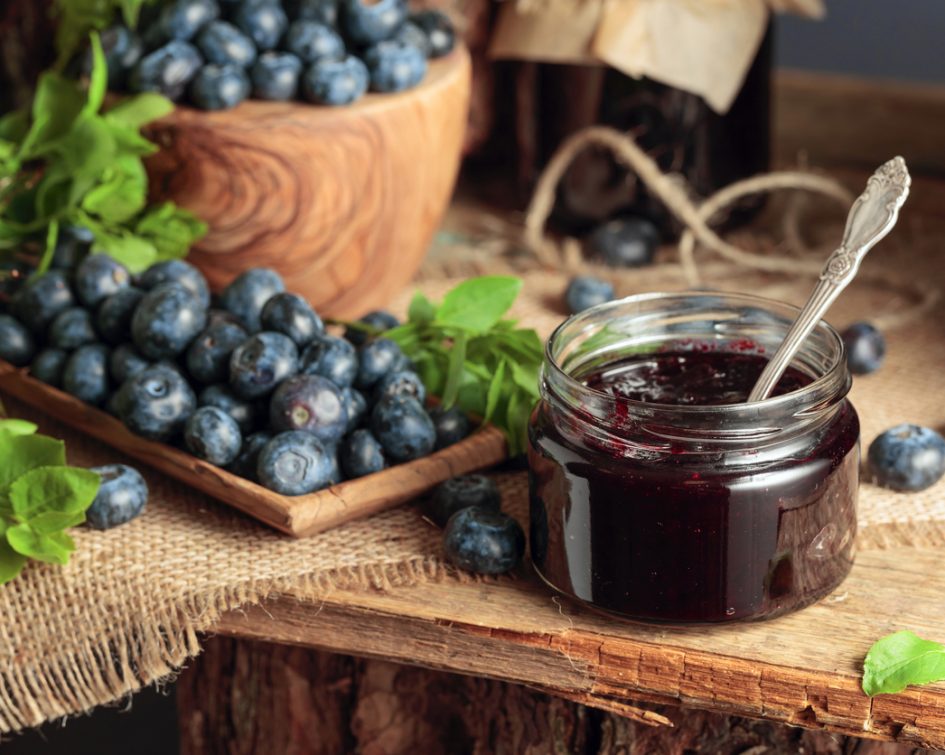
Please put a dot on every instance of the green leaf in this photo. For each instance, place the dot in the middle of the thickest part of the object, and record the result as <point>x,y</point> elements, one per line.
<point>421,309</point>
<point>495,392</point>
<point>130,11</point>
<point>19,454</point>
<point>140,110</point>
<point>519,411</point>
<point>900,659</point>
<point>56,105</point>
<point>525,378</point>
<point>63,490</point>
<point>98,81</point>
<point>55,521</point>
<point>454,374</point>
<point>478,303</point>
<point>12,427</point>
<point>51,549</point>
<point>133,252</point>
<point>49,251</point>
<point>14,126</point>
<point>171,230</point>
<point>11,562</point>
<point>122,194</point>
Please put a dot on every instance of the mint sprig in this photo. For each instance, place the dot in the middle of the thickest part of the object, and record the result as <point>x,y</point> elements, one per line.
<point>471,356</point>
<point>78,18</point>
<point>900,659</point>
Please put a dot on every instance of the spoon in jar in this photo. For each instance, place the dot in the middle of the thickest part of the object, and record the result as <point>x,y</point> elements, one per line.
<point>872,216</point>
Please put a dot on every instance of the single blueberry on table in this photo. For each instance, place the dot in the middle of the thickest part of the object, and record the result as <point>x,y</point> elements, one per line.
<point>361,454</point>
<point>452,425</point>
<point>336,82</point>
<point>246,296</point>
<point>71,329</point>
<point>865,347</point>
<point>40,299</point>
<point>48,366</point>
<point>219,87</point>
<point>212,435</point>
<point>168,318</point>
<point>907,457</point>
<point>330,357</point>
<point>294,463</point>
<point>395,66</point>
<point>379,320</point>
<point>261,362</point>
<point>584,292</point>
<point>177,271</point>
<point>376,359</point>
<point>483,541</point>
<point>113,317</point>
<point>312,42</point>
<point>625,242</point>
<point>16,343</point>
<point>168,70</point>
<point>413,35</point>
<point>311,403</point>
<point>367,23</point>
<point>156,402</point>
<point>461,493</point>
<point>208,357</point>
<point>323,11</point>
<point>356,406</point>
<point>263,22</point>
<point>403,427</point>
<point>122,47</point>
<point>125,362</point>
<point>244,413</point>
<point>97,277</point>
<point>245,463</point>
<point>223,44</point>
<point>121,496</point>
<point>183,19</point>
<point>293,316</point>
<point>439,31</point>
<point>275,76</point>
<point>400,383</point>
<point>86,374</point>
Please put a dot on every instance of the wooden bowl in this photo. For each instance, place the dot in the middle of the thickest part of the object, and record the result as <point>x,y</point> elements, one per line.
<point>343,202</point>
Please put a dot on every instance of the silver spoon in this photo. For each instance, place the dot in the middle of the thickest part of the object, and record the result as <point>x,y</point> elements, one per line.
<point>872,216</point>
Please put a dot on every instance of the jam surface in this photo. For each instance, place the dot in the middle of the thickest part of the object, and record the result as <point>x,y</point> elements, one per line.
<point>655,534</point>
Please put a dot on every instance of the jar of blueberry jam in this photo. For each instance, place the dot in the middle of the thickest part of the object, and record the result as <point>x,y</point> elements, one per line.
<point>658,494</point>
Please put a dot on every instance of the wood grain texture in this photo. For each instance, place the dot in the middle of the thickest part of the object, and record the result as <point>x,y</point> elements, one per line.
<point>300,516</point>
<point>343,202</point>
<point>803,669</point>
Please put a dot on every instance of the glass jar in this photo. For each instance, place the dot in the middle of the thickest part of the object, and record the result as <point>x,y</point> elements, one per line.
<point>680,511</point>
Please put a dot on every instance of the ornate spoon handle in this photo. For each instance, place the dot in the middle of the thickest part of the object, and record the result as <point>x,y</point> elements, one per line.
<point>872,216</point>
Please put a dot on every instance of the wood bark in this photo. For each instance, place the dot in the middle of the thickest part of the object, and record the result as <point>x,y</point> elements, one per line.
<point>246,697</point>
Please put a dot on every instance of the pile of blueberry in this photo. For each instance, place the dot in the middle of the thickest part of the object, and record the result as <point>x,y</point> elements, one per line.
<point>217,53</point>
<point>251,381</point>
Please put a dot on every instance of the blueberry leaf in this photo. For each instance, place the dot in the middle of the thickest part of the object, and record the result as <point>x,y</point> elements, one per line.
<point>64,490</point>
<point>50,549</point>
<point>900,659</point>
<point>478,303</point>
<point>11,562</point>
<point>20,454</point>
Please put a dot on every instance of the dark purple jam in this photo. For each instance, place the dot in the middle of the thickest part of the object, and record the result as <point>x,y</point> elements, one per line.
<point>659,530</point>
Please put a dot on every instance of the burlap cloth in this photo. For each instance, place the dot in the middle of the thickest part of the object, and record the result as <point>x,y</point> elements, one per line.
<point>129,608</point>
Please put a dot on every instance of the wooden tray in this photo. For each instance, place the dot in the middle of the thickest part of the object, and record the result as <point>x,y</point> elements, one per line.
<point>299,516</point>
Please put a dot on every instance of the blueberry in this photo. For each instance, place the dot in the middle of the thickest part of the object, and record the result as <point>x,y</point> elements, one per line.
<point>330,357</point>
<point>13,275</point>
<point>177,271</point>
<point>40,299</point>
<point>113,317</point>
<point>122,48</point>
<point>247,460</point>
<point>907,457</point>
<point>71,329</point>
<point>291,315</point>
<point>222,43</point>
<point>125,362</point>
<point>483,541</point>
<point>168,318</point>
<point>86,374</point>
<point>72,245</point>
<point>452,425</point>
<point>439,31</point>
<point>264,23</point>
<point>865,347</point>
<point>368,23</point>
<point>404,429</point>
<point>413,35</point>
<point>261,362</point>
<point>322,11</point>
<point>625,242</point>
<point>208,357</point>
<point>584,292</point>
<point>361,454</point>
<point>400,383</point>
<point>276,76</point>
<point>460,493</point>
<point>168,70</point>
<point>379,320</point>
<point>183,19</point>
<point>97,277</point>
<point>17,345</point>
<point>336,475</point>
<point>244,413</point>
<point>294,463</point>
<point>336,82</point>
<point>212,435</point>
<point>311,403</point>
<point>219,87</point>
<point>156,402</point>
<point>376,359</point>
<point>121,496</point>
<point>246,296</point>
<point>356,407</point>
<point>49,365</point>
<point>312,42</point>
<point>395,66</point>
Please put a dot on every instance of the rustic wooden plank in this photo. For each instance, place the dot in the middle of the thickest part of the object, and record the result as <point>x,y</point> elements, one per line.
<point>802,669</point>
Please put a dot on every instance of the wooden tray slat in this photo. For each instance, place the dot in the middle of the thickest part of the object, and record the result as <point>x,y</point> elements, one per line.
<point>299,516</point>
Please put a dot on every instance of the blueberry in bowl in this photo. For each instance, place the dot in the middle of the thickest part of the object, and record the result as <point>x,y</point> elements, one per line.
<point>40,299</point>
<point>208,357</point>
<point>180,272</point>
<point>263,22</point>
<point>219,87</point>
<point>156,402</point>
<point>223,44</point>
<point>213,435</point>
<point>294,463</point>
<point>71,329</point>
<point>336,82</point>
<point>16,343</point>
<point>367,23</point>
<point>183,19</point>
<point>291,315</point>
<point>361,454</point>
<point>311,42</point>
<point>395,65</point>
<point>99,276</point>
<point>404,428</point>
<point>166,320</point>
<point>331,357</point>
<point>48,366</point>
<point>275,76</point>
<point>113,316</point>
<point>246,296</point>
<point>311,403</point>
<point>261,362</point>
<point>439,32</point>
<point>86,374</point>
<point>168,70</point>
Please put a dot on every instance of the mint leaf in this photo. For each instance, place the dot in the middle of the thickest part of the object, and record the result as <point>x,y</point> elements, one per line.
<point>51,549</point>
<point>133,252</point>
<point>495,392</point>
<point>62,490</point>
<point>171,230</point>
<point>122,194</point>
<point>900,659</point>
<point>98,81</point>
<point>140,110</point>
<point>11,562</point>
<point>421,309</point>
<point>55,521</point>
<point>478,303</point>
<point>454,374</point>
<point>17,427</point>
<point>19,454</point>
<point>56,105</point>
